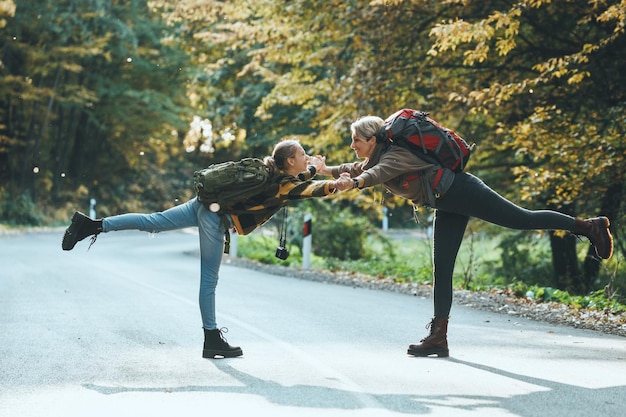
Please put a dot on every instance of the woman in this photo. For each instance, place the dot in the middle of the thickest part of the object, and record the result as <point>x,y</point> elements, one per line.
<point>291,181</point>
<point>464,197</point>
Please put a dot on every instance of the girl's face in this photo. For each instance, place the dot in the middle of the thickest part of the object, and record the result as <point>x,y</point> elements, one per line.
<point>298,162</point>
<point>362,147</point>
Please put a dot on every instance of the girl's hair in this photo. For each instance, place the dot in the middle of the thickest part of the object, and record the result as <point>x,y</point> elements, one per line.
<point>366,127</point>
<point>283,150</point>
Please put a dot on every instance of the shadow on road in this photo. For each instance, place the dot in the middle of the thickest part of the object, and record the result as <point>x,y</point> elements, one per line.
<point>569,400</point>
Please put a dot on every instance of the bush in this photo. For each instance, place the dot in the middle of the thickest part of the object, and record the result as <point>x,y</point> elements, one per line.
<point>343,236</point>
<point>524,259</point>
<point>337,233</point>
<point>597,300</point>
<point>19,210</point>
<point>262,248</point>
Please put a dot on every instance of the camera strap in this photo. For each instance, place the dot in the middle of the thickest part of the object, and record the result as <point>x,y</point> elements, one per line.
<point>283,230</point>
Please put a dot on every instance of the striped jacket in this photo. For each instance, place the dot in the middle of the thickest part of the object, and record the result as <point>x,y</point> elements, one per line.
<point>253,213</point>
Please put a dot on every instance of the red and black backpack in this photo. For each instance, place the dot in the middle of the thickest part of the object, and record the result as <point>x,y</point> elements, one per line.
<point>414,130</point>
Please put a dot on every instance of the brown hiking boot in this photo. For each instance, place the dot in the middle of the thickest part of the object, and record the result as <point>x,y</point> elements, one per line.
<point>436,343</point>
<point>598,233</point>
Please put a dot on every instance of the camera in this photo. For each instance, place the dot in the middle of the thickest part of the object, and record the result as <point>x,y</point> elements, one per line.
<point>282,253</point>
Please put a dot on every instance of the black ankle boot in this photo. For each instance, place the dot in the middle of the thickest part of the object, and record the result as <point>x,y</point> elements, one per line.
<point>81,227</point>
<point>216,345</point>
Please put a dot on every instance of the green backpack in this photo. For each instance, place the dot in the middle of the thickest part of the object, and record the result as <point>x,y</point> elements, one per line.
<point>220,186</point>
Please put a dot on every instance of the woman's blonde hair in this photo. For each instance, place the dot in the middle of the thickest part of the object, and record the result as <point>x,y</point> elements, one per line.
<point>366,127</point>
<point>282,151</point>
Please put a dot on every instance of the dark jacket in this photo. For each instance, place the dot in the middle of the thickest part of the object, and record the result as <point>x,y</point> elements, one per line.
<point>402,173</point>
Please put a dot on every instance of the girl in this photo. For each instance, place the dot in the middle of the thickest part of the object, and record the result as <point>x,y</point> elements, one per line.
<point>292,171</point>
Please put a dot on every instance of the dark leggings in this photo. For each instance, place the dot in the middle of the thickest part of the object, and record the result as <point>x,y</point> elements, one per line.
<point>470,197</point>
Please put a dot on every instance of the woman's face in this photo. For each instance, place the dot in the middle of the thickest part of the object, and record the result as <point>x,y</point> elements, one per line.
<point>362,147</point>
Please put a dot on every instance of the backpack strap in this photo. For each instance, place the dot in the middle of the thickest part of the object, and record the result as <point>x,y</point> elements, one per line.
<point>436,180</point>
<point>429,190</point>
<point>433,189</point>
<point>227,241</point>
<point>226,224</point>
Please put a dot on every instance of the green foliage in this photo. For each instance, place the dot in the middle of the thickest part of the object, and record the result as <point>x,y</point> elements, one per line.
<point>547,146</point>
<point>90,97</point>
<point>19,210</point>
<point>381,266</point>
<point>524,255</point>
<point>342,235</point>
<point>596,300</point>
<point>263,249</point>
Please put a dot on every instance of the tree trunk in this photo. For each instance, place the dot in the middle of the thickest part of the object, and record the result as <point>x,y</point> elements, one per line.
<point>567,275</point>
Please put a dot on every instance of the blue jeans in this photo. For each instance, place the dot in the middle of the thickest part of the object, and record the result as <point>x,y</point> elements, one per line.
<point>211,231</point>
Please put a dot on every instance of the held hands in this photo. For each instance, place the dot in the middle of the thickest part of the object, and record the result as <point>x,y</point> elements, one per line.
<point>344,182</point>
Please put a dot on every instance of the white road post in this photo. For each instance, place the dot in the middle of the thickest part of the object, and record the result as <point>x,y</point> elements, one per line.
<point>233,242</point>
<point>92,208</point>
<point>306,242</point>
<point>385,219</point>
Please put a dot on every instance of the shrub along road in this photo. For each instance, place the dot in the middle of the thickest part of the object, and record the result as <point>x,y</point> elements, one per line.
<point>116,331</point>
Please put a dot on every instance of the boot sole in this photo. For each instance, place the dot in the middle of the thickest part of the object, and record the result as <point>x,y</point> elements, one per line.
<point>212,353</point>
<point>608,255</point>
<point>441,353</point>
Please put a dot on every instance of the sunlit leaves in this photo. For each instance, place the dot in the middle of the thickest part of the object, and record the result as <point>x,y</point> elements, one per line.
<point>7,10</point>
<point>614,13</point>
<point>499,26</point>
<point>504,73</point>
<point>549,72</point>
<point>555,155</point>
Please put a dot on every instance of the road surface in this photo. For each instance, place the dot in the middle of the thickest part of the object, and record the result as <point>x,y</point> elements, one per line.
<point>115,331</point>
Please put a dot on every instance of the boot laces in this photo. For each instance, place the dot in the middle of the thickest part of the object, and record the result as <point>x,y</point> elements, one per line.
<point>221,332</point>
<point>429,327</point>
<point>92,241</point>
<point>590,255</point>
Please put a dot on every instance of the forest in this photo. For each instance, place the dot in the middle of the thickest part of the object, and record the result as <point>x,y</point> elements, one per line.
<point>122,100</point>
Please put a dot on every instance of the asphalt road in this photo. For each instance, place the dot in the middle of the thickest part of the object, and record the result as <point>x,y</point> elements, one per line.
<point>116,331</point>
